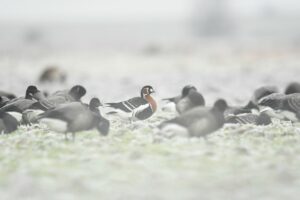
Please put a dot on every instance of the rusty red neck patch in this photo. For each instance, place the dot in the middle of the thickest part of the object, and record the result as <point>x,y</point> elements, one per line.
<point>152,102</point>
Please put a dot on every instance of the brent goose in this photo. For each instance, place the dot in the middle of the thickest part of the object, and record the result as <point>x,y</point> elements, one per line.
<point>74,117</point>
<point>201,121</point>
<point>292,88</point>
<point>188,99</point>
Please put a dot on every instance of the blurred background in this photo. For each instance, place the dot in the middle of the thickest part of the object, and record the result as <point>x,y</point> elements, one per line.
<point>125,44</point>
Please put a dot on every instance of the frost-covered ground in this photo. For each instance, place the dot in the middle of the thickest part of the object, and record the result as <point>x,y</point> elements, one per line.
<point>134,162</point>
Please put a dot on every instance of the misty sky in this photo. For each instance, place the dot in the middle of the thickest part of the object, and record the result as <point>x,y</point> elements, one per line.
<point>126,10</point>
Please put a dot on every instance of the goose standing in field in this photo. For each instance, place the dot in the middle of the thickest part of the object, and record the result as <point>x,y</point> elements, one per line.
<point>74,117</point>
<point>137,108</point>
<point>188,99</point>
<point>8,123</point>
<point>200,121</point>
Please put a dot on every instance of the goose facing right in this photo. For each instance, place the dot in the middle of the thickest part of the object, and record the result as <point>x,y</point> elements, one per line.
<point>201,121</point>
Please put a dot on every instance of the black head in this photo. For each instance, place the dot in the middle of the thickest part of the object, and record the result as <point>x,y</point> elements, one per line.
<point>292,88</point>
<point>187,89</point>
<point>147,90</point>
<point>77,92</point>
<point>94,103</point>
<point>263,92</point>
<point>221,105</point>
<point>31,90</point>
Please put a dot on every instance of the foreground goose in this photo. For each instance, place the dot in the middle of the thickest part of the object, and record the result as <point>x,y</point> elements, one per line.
<point>201,121</point>
<point>137,108</point>
<point>74,117</point>
<point>8,123</point>
<point>188,99</point>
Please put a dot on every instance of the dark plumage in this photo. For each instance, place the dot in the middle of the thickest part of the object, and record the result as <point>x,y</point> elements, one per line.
<point>62,97</point>
<point>76,117</point>
<point>137,108</point>
<point>22,103</point>
<point>249,118</point>
<point>240,110</point>
<point>292,88</point>
<point>7,94</point>
<point>201,121</point>
<point>274,101</point>
<point>8,123</point>
<point>188,99</point>
<point>263,92</point>
<point>286,107</point>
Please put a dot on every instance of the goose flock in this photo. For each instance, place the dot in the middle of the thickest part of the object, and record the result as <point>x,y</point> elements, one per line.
<point>63,111</point>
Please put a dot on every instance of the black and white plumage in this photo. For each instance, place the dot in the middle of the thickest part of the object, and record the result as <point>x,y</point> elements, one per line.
<point>74,117</point>
<point>8,123</point>
<point>249,118</point>
<point>292,88</point>
<point>188,99</point>
<point>200,121</point>
<point>231,110</point>
<point>137,108</point>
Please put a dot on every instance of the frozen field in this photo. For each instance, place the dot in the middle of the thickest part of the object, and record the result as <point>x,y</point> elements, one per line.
<point>134,161</point>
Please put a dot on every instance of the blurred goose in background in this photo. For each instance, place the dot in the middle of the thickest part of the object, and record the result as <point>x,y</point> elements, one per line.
<point>52,74</point>
<point>292,88</point>
<point>249,118</point>
<point>281,106</point>
<point>200,121</point>
<point>188,99</point>
<point>137,108</point>
<point>7,95</point>
<point>74,117</point>
<point>64,96</point>
<point>8,123</point>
